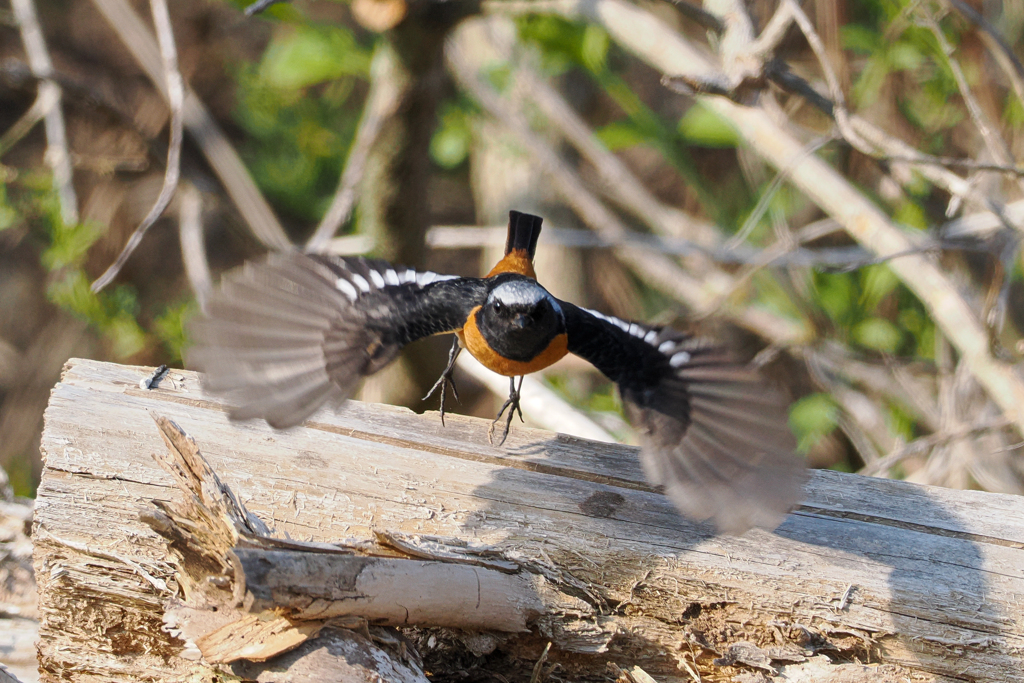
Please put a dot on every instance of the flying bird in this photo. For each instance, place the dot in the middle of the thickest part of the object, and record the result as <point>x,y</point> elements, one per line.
<point>286,335</point>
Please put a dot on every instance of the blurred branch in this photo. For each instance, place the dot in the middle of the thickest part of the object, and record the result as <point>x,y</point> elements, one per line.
<point>175,90</point>
<point>617,181</point>
<point>926,443</point>
<point>652,41</point>
<point>1001,51</point>
<point>381,102</point>
<point>49,100</point>
<point>43,103</point>
<point>262,5</point>
<point>658,270</point>
<point>193,246</point>
<point>201,126</point>
<point>996,145</point>
<point>842,258</point>
<point>985,223</point>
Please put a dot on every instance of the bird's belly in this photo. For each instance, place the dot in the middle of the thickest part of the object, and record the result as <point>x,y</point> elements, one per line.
<point>474,342</point>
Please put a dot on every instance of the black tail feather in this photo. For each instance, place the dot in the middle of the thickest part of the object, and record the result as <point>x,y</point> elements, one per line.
<point>523,231</point>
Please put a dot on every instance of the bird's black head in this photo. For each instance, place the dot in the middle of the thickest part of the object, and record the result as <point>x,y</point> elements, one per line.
<point>520,318</point>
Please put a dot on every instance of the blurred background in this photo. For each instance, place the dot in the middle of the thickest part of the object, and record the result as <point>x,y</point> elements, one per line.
<point>830,188</point>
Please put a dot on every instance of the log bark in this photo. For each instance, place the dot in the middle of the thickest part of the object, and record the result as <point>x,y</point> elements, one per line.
<point>868,580</point>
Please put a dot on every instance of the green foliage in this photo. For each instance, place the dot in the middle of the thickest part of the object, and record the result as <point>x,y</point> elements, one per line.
<point>112,314</point>
<point>449,146</point>
<point>310,55</point>
<point>620,135</point>
<point>295,105</point>
<point>566,45</point>
<point>895,44</point>
<point>9,215</point>
<point>877,334</point>
<point>63,249</point>
<point>701,126</point>
<point>812,418</point>
<point>171,328</point>
<point>853,301</point>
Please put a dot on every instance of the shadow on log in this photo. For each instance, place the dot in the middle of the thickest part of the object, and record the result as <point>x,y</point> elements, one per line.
<point>396,539</point>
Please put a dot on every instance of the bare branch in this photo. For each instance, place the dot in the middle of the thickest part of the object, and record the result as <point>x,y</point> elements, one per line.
<point>1001,51</point>
<point>381,102</point>
<point>658,270</point>
<point>201,126</point>
<point>925,443</point>
<point>193,246</point>
<point>175,90</point>
<point>618,182</point>
<point>652,41</point>
<point>27,121</point>
<point>49,98</point>
<point>996,145</point>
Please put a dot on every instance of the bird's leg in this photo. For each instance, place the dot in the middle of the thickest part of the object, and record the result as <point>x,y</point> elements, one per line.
<point>446,380</point>
<point>512,404</point>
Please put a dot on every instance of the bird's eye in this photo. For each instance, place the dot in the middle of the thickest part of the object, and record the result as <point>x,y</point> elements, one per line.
<point>497,305</point>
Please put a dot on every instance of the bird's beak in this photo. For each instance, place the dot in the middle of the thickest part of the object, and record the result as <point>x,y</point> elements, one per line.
<point>520,320</point>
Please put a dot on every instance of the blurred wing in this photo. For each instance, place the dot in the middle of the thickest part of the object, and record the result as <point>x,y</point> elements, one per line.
<point>283,336</point>
<point>713,433</point>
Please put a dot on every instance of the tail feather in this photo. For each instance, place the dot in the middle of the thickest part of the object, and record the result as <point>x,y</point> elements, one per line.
<point>523,231</point>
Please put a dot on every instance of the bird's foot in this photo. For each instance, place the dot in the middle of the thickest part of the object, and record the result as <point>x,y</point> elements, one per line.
<point>512,404</point>
<point>446,379</point>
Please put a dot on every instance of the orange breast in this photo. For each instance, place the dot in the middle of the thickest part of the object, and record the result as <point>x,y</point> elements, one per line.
<point>516,261</point>
<point>474,341</point>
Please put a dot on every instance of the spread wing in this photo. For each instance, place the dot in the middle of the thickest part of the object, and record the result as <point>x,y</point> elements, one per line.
<point>283,336</point>
<point>713,434</point>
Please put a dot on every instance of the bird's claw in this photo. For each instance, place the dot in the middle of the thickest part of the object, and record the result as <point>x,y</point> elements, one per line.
<point>446,379</point>
<point>513,407</point>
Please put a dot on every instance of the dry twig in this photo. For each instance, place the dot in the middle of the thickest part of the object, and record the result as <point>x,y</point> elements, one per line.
<point>658,270</point>
<point>652,41</point>
<point>49,102</point>
<point>175,89</point>
<point>193,246</point>
<point>380,104</point>
<point>201,126</point>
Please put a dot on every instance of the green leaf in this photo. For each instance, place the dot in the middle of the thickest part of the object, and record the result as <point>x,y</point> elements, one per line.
<point>878,334</point>
<point>859,38</point>
<point>835,295</point>
<point>125,335</point>
<point>8,214</point>
<point>313,54</point>
<point>876,283</point>
<point>112,314</point>
<point>594,48</point>
<point>620,135</point>
<point>813,417</point>
<point>171,327</point>
<point>701,126</point>
<point>70,243</point>
<point>449,146</point>
<point>910,213</point>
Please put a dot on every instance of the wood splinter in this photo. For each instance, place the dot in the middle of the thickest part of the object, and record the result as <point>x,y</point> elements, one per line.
<point>249,595</point>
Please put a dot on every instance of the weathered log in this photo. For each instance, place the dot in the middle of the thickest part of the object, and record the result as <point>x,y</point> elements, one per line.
<point>927,581</point>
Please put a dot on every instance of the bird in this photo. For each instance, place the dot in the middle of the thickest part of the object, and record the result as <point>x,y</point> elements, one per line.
<point>283,336</point>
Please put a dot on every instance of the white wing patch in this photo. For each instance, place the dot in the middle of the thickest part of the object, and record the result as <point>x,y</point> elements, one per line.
<point>353,283</point>
<point>677,359</point>
<point>426,277</point>
<point>361,282</point>
<point>346,288</point>
<point>680,359</point>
